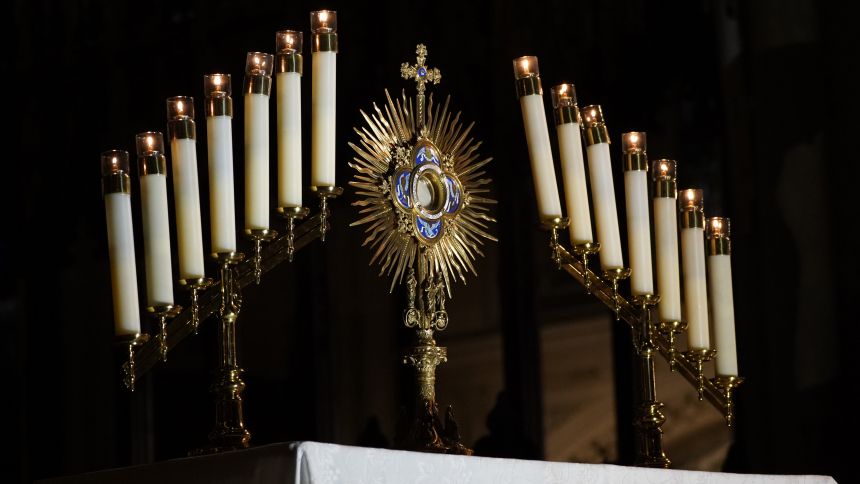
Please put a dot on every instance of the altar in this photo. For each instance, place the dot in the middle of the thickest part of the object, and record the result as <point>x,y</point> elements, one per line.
<point>314,462</point>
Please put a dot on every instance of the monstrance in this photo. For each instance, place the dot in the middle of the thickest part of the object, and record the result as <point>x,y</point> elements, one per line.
<point>421,185</point>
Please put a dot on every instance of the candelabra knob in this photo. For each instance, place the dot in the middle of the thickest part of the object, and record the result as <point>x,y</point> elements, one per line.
<point>162,314</point>
<point>553,225</point>
<point>699,357</point>
<point>670,329</point>
<point>325,193</point>
<point>259,236</point>
<point>130,340</point>
<point>613,276</point>
<point>292,214</point>
<point>728,383</point>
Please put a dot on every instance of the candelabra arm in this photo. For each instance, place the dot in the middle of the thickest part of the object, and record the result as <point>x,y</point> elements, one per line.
<point>632,315</point>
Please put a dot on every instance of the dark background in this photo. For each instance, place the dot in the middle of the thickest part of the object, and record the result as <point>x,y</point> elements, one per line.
<point>756,100</point>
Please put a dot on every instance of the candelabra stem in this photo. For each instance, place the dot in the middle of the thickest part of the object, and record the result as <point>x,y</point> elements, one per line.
<point>292,214</point>
<point>323,217</point>
<point>556,255</point>
<point>648,418</point>
<point>229,432</point>
<point>258,236</point>
<point>163,348</point>
<point>553,225</point>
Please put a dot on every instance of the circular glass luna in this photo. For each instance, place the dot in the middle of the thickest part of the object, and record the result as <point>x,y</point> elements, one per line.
<point>429,190</point>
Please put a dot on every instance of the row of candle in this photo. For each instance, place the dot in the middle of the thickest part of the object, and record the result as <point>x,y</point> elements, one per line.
<point>181,131</point>
<point>572,126</point>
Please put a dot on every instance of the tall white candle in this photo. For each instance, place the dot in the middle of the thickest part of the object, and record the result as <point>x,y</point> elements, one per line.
<point>693,257</point>
<point>530,93</point>
<point>602,187</point>
<point>152,169</point>
<point>722,300</point>
<point>634,147</point>
<point>219,121</point>
<point>288,63</point>
<point>257,88</point>
<point>572,163</point>
<point>323,95</point>
<point>666,240</point>
<point>181,130</point>
<point>123,272</point>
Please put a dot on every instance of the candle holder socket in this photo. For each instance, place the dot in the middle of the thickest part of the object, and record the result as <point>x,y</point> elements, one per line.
<point>553,225</point>
<point>291,214</point>
<point>613,276</point>
<point>325,192</point>
<point>195,286</point>
<point>162,314</point>
<point>584,251</point>
<point>670,329</point>
<point>259,236</point>
<point>699,357</point>
<point>728,384</point>
<point>130,341</point>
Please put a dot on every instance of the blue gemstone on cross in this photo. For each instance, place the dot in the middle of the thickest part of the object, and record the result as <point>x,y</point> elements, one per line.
<point>422,72</point>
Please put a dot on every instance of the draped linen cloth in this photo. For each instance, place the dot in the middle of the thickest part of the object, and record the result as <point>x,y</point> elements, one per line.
<point>316,463</point>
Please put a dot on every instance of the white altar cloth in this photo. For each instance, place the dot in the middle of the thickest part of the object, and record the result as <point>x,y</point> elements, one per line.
<point>315,463</point>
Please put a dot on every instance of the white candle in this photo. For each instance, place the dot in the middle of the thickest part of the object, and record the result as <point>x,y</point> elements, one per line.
<point>219,120</point>
<point>123,272</point>
<point>152,169</point>
<point>602,188</point>
<point>666,241</point>
<point>181,130</point>
<point>693,257</point>
<point>257,88</point>
<point>722,300</point>
<point>529,91</point>
<point>572,164</point>
<point>289,90</point>
<point>323,95</point>
<point>634,147</point>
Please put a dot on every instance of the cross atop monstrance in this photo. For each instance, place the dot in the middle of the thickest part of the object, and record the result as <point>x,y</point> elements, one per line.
<point>421,74</point>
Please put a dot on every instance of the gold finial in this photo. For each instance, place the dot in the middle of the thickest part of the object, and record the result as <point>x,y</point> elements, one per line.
<point>421,74</point>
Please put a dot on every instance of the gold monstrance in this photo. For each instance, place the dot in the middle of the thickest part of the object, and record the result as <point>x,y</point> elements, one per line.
<point>421,189</point>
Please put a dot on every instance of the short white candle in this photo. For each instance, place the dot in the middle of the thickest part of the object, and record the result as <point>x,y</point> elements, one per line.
<point>602,188</point>
<point>635,161</point>
<point>666,241</point>
<point>529,90</point>
<point>219,126</point>
<point>722,300</point>
<point>289,98</point>
<point>152,169</point>
<point>572,163</point>
<point>257,88</point>
<point>693,257</point>
<point>123,271</point>
<point>323,96</point>
<point>181,131</point>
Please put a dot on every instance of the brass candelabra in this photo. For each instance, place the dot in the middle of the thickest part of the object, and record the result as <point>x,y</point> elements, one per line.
<point>224,298</point>
<point>648,340</point>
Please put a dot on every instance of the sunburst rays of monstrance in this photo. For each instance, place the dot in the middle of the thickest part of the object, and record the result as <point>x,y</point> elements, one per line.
<point>421,182</point>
